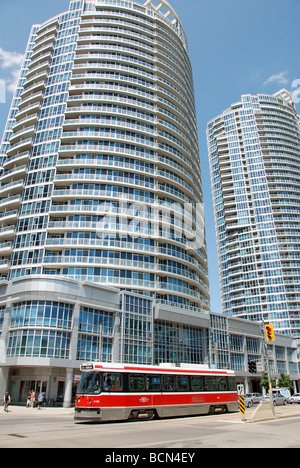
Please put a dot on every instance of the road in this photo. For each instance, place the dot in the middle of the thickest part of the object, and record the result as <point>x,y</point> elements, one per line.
<point>55,428</point>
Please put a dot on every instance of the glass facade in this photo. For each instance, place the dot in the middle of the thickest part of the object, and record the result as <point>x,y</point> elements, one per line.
<point>40,329</point>
<point>178,343</point>
<point>219,342</point>
<point>101,173</point>
<point>38,343</point>
<point>42,314</point>
<point>137,326</point>
<point>254,159</point>
<point>95,335</point>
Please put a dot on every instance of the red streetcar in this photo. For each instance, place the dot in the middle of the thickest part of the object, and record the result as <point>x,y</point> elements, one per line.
<point>115,392</point>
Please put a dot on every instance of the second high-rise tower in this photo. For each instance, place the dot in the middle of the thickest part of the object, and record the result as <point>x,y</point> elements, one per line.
<point>254,158</point>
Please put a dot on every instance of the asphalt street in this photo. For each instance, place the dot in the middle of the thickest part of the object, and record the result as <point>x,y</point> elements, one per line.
<point>55,428</point>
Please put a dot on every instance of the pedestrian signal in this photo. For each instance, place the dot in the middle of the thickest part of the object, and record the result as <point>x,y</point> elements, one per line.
<point>270,335</point>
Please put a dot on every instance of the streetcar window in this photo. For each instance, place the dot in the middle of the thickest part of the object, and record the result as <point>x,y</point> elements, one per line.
<point>182,383</point>
<point>112,382</point>
<point>210,383</point>
<point>106,382</point>
<point>221,383</point>
<point>90,383</point>
<point>153,383</point>
<point>169,383</point>
<point>231,384</point>
<point>197,384</point>
<point>136,382</point>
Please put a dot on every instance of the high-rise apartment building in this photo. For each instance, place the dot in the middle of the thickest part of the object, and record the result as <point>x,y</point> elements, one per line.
<point>254,152</point>
<point>102,245</point>
<point>101,173</point>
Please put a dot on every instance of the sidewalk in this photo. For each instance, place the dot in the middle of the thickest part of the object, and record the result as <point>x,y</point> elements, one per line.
<point>51,411</point>
<point>281,412</point>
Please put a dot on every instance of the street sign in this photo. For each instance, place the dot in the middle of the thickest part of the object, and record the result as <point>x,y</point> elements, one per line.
<point>241,394</point>
<point>260,366</point>
<point>242,404</point>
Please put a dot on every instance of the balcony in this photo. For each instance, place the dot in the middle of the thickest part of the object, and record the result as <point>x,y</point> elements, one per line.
<point>35,79</point>
<point>28,112</point>
<point>20,147</point>
<point>24,134</point>
<point>30,100</point>
<point>9,217</point>
<point>7,233</point>
<point>12,188</point>
<point>40,60</point>
<point>13,174</point>
<point>10,203</point>
<point>19,159</point>
<point>43,50</point>
<point>5,248</point>
<point>4,266</point>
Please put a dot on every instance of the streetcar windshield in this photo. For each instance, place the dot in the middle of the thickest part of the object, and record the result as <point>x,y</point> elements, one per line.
<point>90,383</point>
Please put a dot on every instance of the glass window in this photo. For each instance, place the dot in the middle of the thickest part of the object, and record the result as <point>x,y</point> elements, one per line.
<point>112,382</point>
<point>231,384</point>
<point>221,383</point>
<point>210,384</point>
<point>169,383</point>
<point>90,383</point>
<point>197,384</point>
<point>42,314</point>
<point>49,343</point>
<point>182,383</point>
<point>153,383</point>
<point>136,382</point>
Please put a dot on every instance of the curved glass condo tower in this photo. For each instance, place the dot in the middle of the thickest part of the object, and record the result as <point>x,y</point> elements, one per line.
<point>254,158</point>
<point>101,176</point>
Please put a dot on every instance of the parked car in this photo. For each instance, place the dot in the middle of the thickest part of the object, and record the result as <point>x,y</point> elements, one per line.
<point>295,399</point>
<point>248,400</point>
<point>284,392</point>
<point>256,397</point>
<point>278,399</point>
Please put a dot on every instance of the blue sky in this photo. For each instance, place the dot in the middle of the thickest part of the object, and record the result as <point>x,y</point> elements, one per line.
<point>236,47</point>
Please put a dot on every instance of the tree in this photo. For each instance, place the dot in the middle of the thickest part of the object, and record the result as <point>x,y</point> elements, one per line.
<point>285,382</point>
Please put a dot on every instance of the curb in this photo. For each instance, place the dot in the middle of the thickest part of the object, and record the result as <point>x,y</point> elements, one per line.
<point>15,409</point>
<point>275,418</point>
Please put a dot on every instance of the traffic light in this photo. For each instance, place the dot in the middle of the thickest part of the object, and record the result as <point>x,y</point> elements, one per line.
<point>252,367</point>
<point>270,335</point>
